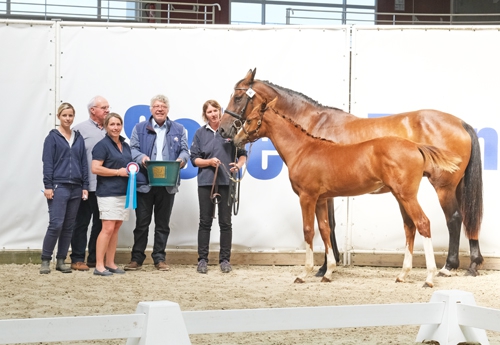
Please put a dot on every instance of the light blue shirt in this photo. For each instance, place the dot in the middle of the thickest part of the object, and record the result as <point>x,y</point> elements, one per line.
<point>161,131</point>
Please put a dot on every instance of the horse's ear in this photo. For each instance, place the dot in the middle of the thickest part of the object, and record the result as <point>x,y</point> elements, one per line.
<point>273,102</point>
<point>250,76</point>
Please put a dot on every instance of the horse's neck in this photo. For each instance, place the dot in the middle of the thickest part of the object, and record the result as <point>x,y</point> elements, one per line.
<point>319,120</point>
<point>288,139</point>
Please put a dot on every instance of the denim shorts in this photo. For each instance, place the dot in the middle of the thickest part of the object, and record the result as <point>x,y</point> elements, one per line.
<point>112,208</point>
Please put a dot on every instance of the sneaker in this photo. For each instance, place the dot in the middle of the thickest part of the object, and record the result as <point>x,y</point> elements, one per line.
<point>162,266</point>
<point>79,266</point>
<point>225,266</point>
<point>202,266</point>
<point>132,266</point>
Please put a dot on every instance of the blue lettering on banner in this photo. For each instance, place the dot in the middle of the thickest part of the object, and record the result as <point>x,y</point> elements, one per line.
<point>264,162</point>
<point>490,137</point>
<point>133,116</point>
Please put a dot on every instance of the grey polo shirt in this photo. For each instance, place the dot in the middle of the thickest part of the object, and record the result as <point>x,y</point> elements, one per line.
<point>91,134</point>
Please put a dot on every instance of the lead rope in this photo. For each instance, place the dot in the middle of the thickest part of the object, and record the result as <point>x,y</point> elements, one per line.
<point>230,175</point>
<point>233,200</point>
<point>215,197</point>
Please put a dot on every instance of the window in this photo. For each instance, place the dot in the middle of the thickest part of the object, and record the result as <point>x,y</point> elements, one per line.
<point>300,12</point>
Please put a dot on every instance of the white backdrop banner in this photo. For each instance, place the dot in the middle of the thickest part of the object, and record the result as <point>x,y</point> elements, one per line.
<point>393,69</point>
<point>27,103</point>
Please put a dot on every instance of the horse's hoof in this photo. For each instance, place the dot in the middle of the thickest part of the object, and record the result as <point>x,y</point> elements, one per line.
<point>471,272</point>
<point>428,285</point>
<point>444,273</point>
<point>399,280</point>
<point>326,280</point>
<point>299,281</point>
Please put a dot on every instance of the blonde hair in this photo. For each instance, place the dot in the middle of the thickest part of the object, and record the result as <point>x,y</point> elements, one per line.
<point>214,104</point>
<point>109,117</point>
<point>63,107</point>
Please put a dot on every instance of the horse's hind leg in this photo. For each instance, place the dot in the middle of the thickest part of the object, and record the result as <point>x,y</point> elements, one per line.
<point>476,259</point>
<point>410,230</point>
<point>418,217</point>
<point>451,203</point>
<point>450,207</point>
<point>324,230</point>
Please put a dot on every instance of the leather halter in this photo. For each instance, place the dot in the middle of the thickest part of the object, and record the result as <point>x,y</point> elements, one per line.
<point>259,124</point>
<point>238,123</point>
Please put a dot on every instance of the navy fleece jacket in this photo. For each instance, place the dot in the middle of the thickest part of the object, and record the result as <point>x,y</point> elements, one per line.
<point>63,163</point>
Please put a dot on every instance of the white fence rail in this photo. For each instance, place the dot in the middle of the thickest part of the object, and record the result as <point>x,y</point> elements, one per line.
<point>449,318</point>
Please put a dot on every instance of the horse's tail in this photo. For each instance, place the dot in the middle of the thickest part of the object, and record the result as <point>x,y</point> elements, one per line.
<point>470,192</point>
<point>440,159</point>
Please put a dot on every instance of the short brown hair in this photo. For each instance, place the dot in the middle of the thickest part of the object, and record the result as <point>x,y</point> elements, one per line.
<point>214,104</point>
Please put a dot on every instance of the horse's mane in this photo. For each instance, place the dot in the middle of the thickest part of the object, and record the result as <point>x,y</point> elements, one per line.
<point>293,93</point>
<point>302,129</point>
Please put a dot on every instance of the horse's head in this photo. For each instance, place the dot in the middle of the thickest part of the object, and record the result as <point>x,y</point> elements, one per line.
<point>240,105</point>
<point>252,129</point>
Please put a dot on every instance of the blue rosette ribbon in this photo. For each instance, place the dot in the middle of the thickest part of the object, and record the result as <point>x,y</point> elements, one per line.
<point>131,200</point>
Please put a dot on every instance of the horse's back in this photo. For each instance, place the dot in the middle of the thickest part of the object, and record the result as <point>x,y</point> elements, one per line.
<point>430,127</point>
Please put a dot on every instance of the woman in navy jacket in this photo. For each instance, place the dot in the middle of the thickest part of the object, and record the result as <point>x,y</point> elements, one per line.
<point>65,177</point>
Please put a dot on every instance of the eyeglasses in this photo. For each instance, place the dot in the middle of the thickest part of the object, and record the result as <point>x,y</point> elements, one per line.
<point>103,108</point>
<point>159,106</point>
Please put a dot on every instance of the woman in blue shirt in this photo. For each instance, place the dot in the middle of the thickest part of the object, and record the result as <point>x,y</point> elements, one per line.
<point>65,178</point>
<point>110,157</point>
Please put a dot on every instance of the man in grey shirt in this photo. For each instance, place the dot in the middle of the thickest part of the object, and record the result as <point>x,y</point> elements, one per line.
<point>92,131</point>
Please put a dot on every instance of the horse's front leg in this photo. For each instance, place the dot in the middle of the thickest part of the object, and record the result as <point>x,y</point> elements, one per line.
<point>324,230</point>
<point>308,205</point>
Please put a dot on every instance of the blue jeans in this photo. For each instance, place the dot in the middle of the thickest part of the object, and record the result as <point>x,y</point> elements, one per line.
<point>162,202</point>
<point>88,210</point>
<point>225,226</point>
<point>62,213</point>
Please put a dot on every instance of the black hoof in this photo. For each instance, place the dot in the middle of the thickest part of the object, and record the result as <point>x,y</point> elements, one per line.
<point>320,273</point>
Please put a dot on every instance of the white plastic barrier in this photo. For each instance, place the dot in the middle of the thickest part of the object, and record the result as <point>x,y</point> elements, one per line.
<point>449,318</point>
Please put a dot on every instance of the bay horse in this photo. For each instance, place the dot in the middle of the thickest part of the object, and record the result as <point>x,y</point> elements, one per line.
<point>317,171</point>
<point>459,192</point>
